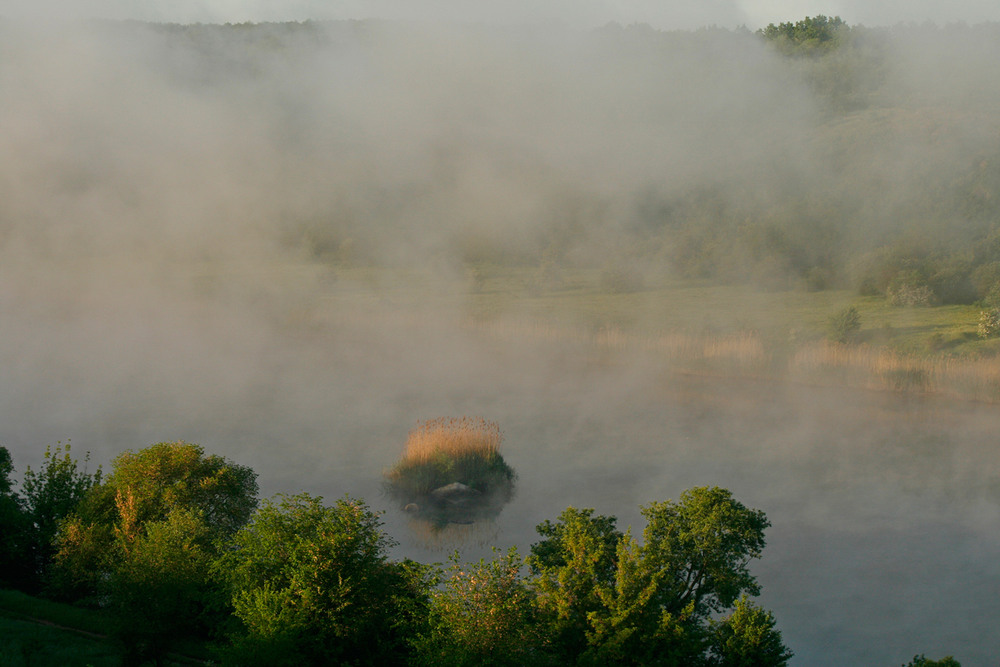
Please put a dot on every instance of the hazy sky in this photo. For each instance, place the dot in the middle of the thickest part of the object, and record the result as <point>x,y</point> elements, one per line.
<point>678,14</point>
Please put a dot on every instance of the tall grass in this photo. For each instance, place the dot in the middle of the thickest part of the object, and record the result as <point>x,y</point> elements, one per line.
<point>453,438</point>
<point>817,361</point>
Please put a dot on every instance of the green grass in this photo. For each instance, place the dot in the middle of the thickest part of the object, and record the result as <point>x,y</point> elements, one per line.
<point>15,603</point>
<point>33,645</point>
<point>578,300</point>
<point>41,633</point>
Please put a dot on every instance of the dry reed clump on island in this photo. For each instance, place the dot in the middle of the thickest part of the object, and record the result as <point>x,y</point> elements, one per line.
<point>446,451</point>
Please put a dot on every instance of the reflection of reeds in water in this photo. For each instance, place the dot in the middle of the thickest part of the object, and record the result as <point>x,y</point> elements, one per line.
<point>440,536</point>
<point>453,438</point>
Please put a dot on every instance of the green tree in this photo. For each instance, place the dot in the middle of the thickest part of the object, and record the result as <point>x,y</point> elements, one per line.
<point>607,599</point>
<point>16,567</point>
<point>700,548</point>
<point>51,494</point>
<point>483,615</point>
<point>574,561</point>
<point>152,483</point>
<point>160,589</point>
<point>748,638</point>
<point>140,542</point>
<point>312,584</point>
<point>844,325</point>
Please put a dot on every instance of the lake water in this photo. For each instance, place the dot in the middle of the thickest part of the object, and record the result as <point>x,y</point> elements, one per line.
<point>885,509</point>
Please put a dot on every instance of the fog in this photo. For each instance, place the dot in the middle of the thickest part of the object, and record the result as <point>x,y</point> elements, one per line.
<point>260,241</point>
<point>679,15</point>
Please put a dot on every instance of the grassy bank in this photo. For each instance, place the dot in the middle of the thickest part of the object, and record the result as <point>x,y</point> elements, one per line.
<point>40,633</point>
<point>698,327</point>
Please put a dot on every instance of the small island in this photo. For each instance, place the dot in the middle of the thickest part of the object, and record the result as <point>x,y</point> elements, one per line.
<point>452,471</point>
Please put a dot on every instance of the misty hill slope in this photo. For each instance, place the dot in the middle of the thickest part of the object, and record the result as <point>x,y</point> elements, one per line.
<point>699,154</point>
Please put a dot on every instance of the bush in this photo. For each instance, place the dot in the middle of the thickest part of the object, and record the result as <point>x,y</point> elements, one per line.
<point>989,323</point>
<point>845,325</point>
<point>908,288</point>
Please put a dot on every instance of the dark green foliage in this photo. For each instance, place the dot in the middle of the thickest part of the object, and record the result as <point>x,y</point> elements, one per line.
<point>16,557</point>
<point>141,541</point>
<point>607,599</point>
<point>921,661</point>
<point>53,493</point>
<point>747,638</point>
<point>312,585</point>
<point>483,614</point>
<point>160,588</point>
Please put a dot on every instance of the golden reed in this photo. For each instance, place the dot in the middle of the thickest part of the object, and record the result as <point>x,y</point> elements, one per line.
<point>452,437</point>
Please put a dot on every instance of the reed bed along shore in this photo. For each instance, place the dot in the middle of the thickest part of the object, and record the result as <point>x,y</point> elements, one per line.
<point>818,361</point>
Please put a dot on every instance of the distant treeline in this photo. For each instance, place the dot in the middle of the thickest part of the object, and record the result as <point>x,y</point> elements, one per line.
<point>174,543</point>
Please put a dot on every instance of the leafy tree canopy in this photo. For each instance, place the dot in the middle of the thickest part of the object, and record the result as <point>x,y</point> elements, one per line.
<point>610,600</point>
<point>145,488</point>
<point>312,584</point>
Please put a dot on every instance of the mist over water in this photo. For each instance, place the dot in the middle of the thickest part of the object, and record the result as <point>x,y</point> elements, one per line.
<point>203,239</point>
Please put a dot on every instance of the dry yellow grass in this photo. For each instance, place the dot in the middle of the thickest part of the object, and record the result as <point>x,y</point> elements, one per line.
<point>877,368</point>
<point>452,437</point>
<point>819,361</point>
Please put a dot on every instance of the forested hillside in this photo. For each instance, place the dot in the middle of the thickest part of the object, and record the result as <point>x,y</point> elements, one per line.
<point>810,154</point>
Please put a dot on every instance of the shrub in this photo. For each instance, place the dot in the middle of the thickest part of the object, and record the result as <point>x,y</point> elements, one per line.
<point>989,323</point>
<point>908,288</point>
<point>845,325</point>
